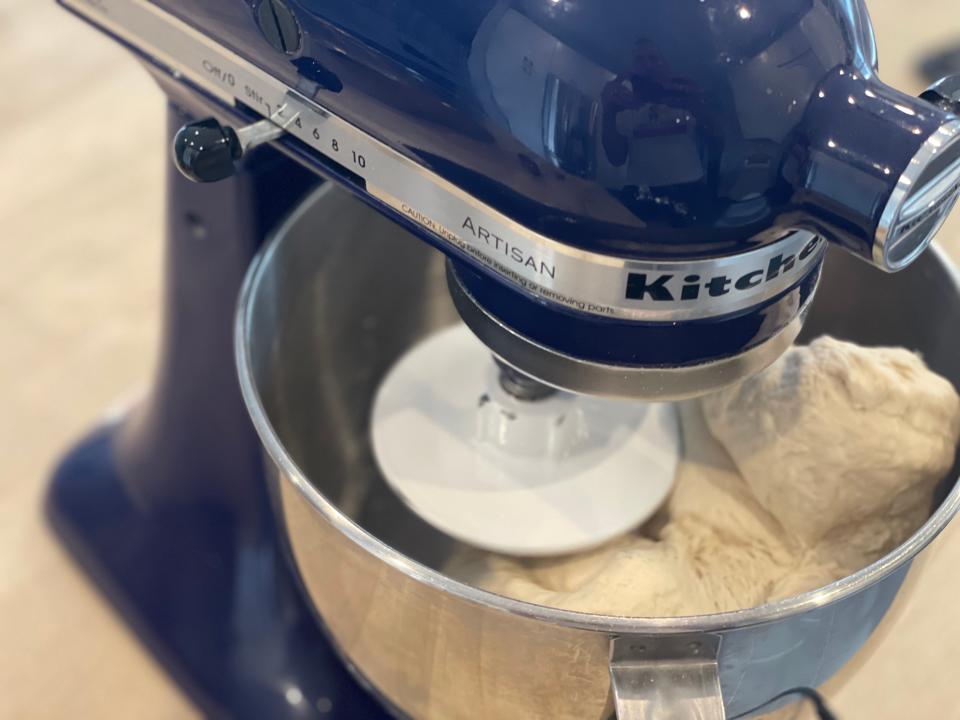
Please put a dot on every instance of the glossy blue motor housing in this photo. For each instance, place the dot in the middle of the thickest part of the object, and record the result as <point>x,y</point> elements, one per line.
<point>643,128</point>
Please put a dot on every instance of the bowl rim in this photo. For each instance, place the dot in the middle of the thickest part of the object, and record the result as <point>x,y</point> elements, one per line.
<point>626,625</point>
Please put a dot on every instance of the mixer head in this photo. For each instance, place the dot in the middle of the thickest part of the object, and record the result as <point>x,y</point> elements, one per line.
<point>625,216</point>
<point>632,218</point>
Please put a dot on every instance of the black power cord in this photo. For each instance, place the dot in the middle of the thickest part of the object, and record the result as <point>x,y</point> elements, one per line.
<point>810,694</point>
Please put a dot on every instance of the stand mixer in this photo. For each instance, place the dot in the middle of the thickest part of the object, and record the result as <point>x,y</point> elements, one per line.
<point>635,202</point>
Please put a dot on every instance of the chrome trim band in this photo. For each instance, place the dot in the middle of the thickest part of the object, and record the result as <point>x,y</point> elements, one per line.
<point>589,282</point>
<point>909,208</point>
<point>642,383</point>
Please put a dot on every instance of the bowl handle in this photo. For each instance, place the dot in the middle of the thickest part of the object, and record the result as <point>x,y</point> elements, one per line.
<point>659,678</point>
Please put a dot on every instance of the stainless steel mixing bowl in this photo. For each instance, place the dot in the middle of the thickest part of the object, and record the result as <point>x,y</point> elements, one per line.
<point>328,306</point>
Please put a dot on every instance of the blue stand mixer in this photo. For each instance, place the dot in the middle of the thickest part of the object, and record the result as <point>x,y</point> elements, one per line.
<point>635,199</point>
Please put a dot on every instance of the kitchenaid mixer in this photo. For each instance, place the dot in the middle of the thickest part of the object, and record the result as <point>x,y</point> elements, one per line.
<point>623,219</point>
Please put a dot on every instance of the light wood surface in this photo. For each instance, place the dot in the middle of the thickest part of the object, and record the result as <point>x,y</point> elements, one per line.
<point>82,149</point>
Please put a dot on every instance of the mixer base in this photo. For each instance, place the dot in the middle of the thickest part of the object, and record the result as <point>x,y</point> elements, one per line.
<point>221,612</point>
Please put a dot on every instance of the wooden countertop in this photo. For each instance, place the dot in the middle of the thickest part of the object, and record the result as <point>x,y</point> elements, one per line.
<point>82,145</point>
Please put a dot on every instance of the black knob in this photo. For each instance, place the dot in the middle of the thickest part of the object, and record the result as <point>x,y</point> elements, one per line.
<point>945,94</point>
<point>206,151</point>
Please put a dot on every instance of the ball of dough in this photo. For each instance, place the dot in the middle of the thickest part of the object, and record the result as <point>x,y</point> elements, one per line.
<point>631,576</point>
<point>840,439</point>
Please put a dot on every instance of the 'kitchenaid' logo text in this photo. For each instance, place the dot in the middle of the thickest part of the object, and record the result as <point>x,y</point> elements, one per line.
<point>669,287</point>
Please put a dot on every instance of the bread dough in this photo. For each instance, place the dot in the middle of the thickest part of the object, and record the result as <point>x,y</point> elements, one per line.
<point>842,444</point>
<point>793,479</point>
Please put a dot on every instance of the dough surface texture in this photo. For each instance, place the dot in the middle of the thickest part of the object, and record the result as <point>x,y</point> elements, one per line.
<point>797,477</point>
